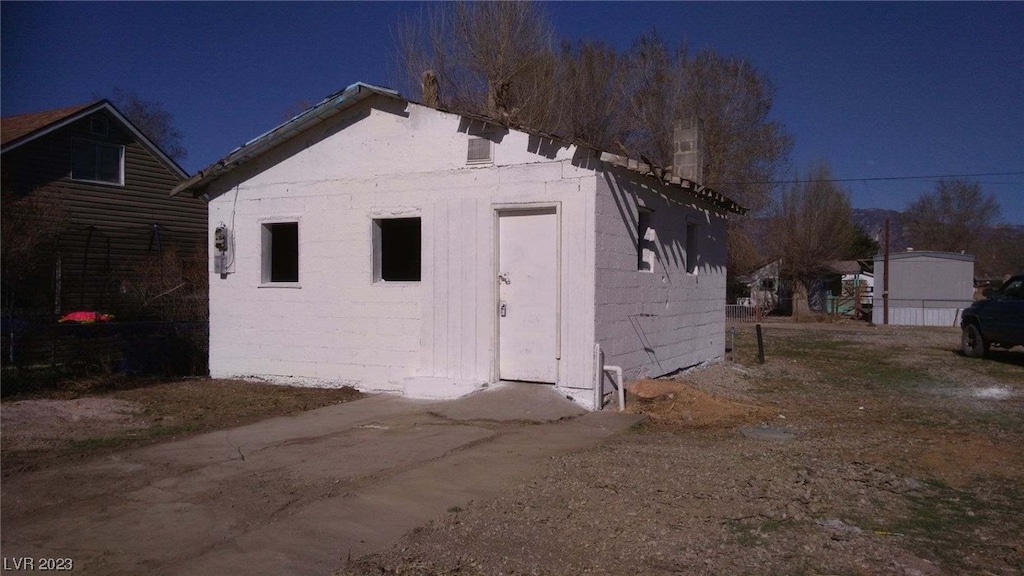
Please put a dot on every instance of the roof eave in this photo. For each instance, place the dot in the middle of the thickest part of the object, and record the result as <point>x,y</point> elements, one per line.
<point>667,177</point>
<point>102,104</point>
<point>327,108</point>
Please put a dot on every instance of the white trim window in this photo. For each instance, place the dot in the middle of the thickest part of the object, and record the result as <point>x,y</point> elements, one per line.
<point>280,253</point>
<point>93,161</point>
<point>397,249</point>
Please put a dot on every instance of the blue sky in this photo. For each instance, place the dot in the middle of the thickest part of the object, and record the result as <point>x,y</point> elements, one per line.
<point>876,89</point>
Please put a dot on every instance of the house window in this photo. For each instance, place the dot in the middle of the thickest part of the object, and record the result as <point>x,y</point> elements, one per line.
<point>396,250</point>
<point>691,248</point>
<point>645,236</point>
<point>97,162</point>
<point>280,252</point>
<point>768,284</point>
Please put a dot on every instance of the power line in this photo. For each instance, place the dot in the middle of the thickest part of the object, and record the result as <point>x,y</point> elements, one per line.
<point>875,179</point>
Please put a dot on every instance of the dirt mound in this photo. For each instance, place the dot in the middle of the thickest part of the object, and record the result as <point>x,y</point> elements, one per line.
<point>677,403</point>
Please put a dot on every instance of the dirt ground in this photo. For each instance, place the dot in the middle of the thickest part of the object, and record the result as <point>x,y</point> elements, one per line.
<point>852,450</point>
<point>85,418</point>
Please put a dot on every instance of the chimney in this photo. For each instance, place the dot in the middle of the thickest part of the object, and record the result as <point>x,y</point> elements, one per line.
<point>431,89</point>
<point>688,156</point>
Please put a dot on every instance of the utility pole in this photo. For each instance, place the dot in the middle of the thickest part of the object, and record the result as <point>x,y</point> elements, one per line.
<point>885,278</point>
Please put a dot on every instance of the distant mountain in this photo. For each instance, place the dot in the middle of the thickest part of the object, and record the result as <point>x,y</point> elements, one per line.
<point>872,222</point>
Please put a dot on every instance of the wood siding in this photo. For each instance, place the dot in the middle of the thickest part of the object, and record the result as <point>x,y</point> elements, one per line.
<point>109,226</point>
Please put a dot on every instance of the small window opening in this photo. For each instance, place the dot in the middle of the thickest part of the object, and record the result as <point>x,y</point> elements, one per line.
<point>397,253</point>
<point>281,252</point>
<point>691,248</point>
<point>479,151</point>
<point>768,284</point>
<point>645,235</point>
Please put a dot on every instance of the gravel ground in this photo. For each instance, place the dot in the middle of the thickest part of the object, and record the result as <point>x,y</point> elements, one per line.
<point>853,450</point>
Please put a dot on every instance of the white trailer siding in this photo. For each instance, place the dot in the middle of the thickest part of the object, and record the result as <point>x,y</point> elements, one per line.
<point>925,288</point>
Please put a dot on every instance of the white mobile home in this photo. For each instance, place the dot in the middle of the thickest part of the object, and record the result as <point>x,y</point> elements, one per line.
<point>375,242</point>
<point>925,288</point>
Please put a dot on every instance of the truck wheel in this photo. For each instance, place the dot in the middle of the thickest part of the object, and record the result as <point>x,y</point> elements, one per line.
<point>972,343</point>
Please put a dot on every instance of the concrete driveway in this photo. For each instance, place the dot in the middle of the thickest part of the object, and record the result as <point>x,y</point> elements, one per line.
<point>293,495</point>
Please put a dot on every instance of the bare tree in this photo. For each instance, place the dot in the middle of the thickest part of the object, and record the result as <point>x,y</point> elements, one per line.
<point>952,217</point>
<point>30,228</point>
<point>488,57</point>
<point>654,95</point>
<point>588,99</point>
<point>153,120</point>
<point>746,151</point>
<point>812,226</point>
<point>999,252</point>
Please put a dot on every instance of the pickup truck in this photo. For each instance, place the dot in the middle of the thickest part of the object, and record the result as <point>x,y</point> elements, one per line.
<point>998,320</point>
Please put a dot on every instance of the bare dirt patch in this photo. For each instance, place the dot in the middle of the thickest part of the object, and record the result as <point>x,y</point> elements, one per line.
<point>893,460</point>
<point>86,418</point>
<point>36,424</point>
<point>677,403</point>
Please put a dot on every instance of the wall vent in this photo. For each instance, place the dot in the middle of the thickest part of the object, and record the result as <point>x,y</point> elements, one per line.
<point>479,151</point>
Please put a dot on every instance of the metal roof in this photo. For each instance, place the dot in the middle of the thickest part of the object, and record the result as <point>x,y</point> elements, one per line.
<point>926,253</point>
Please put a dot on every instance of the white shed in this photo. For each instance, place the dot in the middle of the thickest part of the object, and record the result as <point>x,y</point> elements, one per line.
<point>380,243</point>
<point>925,288</point>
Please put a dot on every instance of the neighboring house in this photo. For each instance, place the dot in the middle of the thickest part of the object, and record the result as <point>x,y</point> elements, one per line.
<point>763,286</point>
<point>112,185</point>
<point>925,288</point>
<point>833,291</point>
<point>376,242</point>
<point>853,295</point>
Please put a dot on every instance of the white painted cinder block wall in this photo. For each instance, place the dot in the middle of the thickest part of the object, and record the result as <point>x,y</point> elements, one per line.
<point>657,322</point>
<point>337,326</point>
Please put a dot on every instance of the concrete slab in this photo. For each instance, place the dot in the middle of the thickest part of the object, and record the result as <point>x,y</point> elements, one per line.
<point>294,495</point>
<point>511,402</point>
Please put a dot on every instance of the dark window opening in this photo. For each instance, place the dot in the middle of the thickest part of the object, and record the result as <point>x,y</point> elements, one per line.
<point>691,248</point>
<point>399,249</point>
<point>95,161</point>
<point>281,252</point>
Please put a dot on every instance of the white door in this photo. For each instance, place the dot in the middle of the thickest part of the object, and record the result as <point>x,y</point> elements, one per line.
<point>528,295</point>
